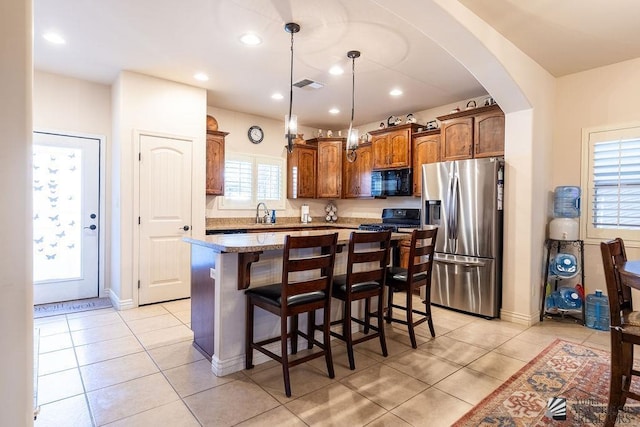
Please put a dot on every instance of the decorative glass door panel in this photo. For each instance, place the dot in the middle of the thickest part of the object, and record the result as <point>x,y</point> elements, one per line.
<point>65,217</point>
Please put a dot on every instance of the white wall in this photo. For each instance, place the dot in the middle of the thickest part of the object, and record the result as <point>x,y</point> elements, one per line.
<point>72,106</point>
<point>144,103</point>
<point>602,96</point>
<point>16,304</point>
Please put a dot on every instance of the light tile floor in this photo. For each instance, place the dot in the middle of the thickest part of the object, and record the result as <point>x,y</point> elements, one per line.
<point>138,368</point>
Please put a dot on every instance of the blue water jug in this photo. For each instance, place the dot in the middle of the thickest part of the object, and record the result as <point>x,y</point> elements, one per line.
<point>597,311</point>
<point>569,299</point>
<point>566,202</point>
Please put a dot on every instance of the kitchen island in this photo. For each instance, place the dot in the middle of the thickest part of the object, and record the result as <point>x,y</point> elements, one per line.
<point>222,266</point>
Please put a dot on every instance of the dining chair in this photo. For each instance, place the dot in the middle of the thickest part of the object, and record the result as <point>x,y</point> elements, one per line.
<point>625,329</point>
<point>408,280</point>
<point>366,270</point>
<point>307,276</point>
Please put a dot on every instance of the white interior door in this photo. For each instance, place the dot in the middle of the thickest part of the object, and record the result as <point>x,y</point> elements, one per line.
<point>66,202</point>
<point>165,218</point>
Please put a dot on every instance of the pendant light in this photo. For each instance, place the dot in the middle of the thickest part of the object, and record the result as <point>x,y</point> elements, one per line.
<point>290,120</point>
<point>352,134</point>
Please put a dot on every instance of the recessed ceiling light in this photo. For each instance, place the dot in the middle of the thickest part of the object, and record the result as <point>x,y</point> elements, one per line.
<point>395,92</point>
<point>334,111</point>
<point>201,77</point>
<point>277,96</point>
<point>250,39</point>
<point>336,70</point>
<point>54,38</point>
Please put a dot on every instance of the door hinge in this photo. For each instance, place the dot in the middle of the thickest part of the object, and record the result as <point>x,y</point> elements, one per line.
<point>138,284</point>
<point>139,221</point>
<point>139,157</point>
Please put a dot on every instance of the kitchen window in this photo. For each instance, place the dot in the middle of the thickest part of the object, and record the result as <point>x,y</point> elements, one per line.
<point>250,179</point>
<point>611,183</point>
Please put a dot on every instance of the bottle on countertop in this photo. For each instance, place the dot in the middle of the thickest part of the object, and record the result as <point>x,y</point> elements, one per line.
<point>273,216</point>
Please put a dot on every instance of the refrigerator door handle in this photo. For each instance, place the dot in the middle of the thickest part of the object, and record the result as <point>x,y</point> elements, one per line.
<point>456,194</point>
<point>460,263</point>
<point>451,208</point>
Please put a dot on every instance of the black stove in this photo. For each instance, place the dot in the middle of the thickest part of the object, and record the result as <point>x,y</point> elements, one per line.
<point>394,219</point>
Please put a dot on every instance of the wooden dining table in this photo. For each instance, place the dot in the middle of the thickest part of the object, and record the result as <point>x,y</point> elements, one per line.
<point>630,273</point>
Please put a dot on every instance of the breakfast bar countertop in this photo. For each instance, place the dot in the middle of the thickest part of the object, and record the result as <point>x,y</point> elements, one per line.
<point>254,242</point>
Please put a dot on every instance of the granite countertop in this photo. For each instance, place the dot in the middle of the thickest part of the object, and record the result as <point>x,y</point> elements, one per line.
<point>255,242</point>
<point>279,225</point>
<point>222,224</point>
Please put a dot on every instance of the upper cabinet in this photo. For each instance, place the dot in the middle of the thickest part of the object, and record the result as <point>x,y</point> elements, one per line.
<point>301,171</point>
<point>478,132</point>
<point>215,162</point>
<point>356,176</point>
<point>329,169</point>
<point>391,147</point>
<point>488,134</point>
<point>426,149</point>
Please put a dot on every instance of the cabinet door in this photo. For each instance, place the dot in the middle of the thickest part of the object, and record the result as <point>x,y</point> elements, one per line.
<point>364,171</point>
<point>489,134</point>
<point>329,178</point>
<point>400,149</point>
<point>350,178</point>
<point>356,177</point>
<point>426,149</point>
<point>301,172</point>
<point>215,165</point>
<point>457,139</point>
<point>380,149</point>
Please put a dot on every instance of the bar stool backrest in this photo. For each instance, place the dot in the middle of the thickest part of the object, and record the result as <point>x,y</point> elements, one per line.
<point>377,254</point>
<point>423,243</point>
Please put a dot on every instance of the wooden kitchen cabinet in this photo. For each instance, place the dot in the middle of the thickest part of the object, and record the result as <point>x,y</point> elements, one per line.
<point>478,132</point>
<point>391,147</point>
<point>329,169</point>
<point>488,134</point>
<point>457,139</point>
<point>215,163</point>
<point>426,149</point>
<point>356,176</point>
<point>301,171</point>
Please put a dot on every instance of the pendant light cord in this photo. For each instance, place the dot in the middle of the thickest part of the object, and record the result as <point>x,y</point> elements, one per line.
<point>351,147</point>
<point>289,138</point>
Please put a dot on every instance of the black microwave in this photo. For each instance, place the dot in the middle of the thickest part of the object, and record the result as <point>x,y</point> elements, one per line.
<point>396,182</point>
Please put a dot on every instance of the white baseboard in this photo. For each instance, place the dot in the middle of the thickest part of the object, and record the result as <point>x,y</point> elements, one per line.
<point>120,304</point>
<point>520,318</point>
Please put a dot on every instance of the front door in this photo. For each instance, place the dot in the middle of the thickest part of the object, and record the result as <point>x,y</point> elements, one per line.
<point>66,202</point>
<point>165,218</point>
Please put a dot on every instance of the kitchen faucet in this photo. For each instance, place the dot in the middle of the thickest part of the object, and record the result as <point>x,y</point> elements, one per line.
<point>265,218</point>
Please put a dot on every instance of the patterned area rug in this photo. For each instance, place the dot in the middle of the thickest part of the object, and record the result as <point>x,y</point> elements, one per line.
<point>564,376</point>
<point>56,308</point>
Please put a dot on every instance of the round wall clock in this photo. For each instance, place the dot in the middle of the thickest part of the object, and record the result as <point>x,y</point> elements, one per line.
<point>256,135</point>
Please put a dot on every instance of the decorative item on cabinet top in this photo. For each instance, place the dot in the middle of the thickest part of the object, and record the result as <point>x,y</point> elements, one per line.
<point>393,121</point>
<point>212,123</point>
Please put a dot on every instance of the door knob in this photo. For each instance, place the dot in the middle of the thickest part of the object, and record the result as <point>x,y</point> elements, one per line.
<point>185,228</point>
<point>92,227</point>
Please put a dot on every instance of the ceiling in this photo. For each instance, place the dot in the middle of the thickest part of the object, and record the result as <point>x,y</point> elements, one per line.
<point>172,41</point>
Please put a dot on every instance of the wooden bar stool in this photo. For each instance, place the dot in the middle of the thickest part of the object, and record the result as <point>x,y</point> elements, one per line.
<point>625,329</point>
<point>363,282</point>
<point>416,275</point>
<point>307,275</point>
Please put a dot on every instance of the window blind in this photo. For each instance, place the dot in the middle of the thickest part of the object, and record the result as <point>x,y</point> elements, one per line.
<point>269,179</point>
<point>616,184</point>
<point>237,180</point>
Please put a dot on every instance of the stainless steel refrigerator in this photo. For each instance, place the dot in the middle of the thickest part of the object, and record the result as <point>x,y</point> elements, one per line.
<point>463,198</point>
